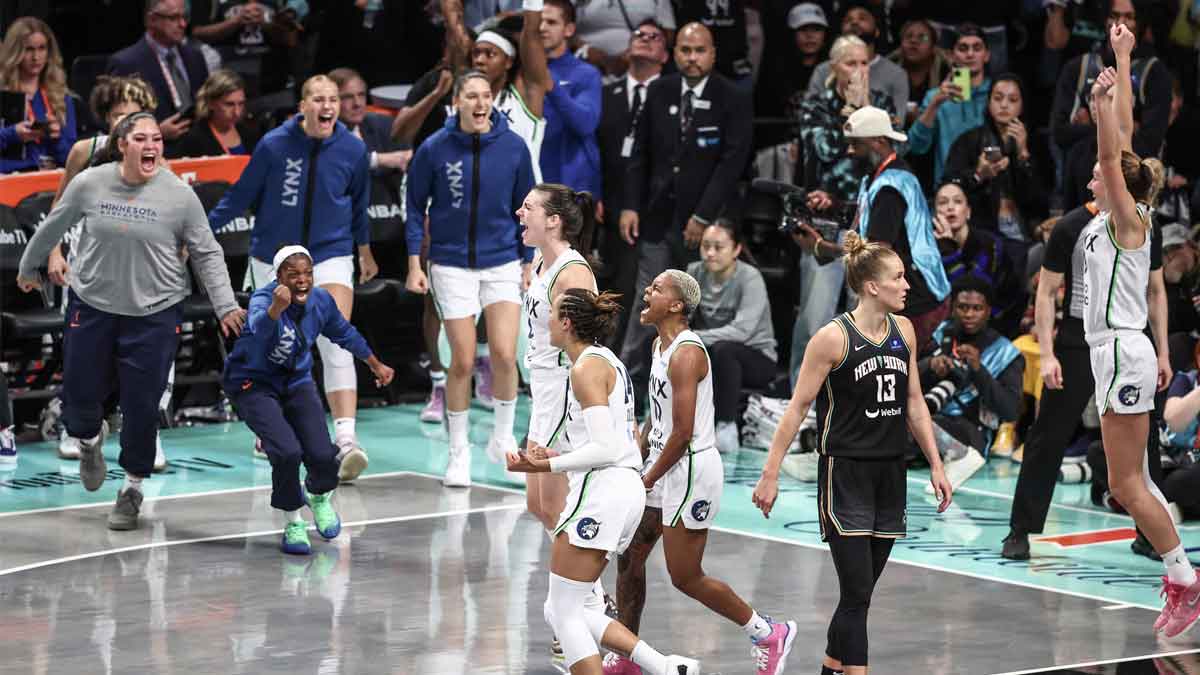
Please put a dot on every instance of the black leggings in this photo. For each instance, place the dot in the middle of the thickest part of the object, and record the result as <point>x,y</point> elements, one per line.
<point>859,561</point>
<point>735,365</point>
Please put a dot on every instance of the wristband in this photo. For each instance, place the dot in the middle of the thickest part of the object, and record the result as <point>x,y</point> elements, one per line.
<point>532,5</point>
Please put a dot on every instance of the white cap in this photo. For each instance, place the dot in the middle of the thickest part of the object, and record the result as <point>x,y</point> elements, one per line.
<point>806,14</point>
<point>871,122</point>
<point>1174,235</point>
<point>285,253</point>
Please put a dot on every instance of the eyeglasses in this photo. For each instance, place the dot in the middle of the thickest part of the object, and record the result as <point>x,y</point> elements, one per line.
<point>648,36</point>
<point>178,16</point>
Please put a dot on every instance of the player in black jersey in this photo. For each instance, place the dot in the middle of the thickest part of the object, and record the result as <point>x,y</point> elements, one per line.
<point>856,369</point>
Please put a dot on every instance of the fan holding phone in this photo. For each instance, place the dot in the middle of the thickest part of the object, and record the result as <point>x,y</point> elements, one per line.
<point>957,104</point>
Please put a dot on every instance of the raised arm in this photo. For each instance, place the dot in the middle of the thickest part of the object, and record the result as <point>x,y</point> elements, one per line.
<point>534,79</point>
<point>410,118</point>
<point>1129,228</point>
<point>1122,41</point>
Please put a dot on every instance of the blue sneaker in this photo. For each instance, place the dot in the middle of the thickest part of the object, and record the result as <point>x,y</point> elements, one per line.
<point>295,539</point>
<point>328,522</point>
<point>8,446</point>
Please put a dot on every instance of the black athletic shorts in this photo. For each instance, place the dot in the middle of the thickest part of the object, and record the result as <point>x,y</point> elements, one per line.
<point>862,497</point>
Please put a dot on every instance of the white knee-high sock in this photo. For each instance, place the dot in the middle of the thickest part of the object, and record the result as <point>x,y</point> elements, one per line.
<point>649,659</point>
<point>457,422</point>
<point>506,413</point>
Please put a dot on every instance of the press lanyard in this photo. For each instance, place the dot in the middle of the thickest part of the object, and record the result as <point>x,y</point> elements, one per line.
<point>45,104</point>
<point>889,160</point>
<point>170,80</point>
<point>218,137</point>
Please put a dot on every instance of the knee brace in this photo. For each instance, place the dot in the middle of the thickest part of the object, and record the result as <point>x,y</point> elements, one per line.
<point>339,366</point>
<point>566,608</point>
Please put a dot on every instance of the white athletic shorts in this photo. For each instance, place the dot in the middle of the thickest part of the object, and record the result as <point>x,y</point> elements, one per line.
<point>1126,373</point>
<point>690,493</point>
<point>548,406</point>
<point>604,509</point>
<point>459,292</point>
<point>339,270</point>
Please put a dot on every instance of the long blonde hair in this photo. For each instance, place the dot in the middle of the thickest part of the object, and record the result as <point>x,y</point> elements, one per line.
<point>53,78</point>
<point>219,84</point>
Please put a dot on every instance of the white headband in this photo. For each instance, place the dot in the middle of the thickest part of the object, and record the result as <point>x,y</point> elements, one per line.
<point>494,38</point>
<point>285,253</point>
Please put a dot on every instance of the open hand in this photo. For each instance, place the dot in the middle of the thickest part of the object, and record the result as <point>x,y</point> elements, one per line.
<point>232,322</point>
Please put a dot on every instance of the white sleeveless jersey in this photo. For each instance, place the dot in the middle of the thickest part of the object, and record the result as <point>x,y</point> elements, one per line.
<point>620,406</point>
<point>523,123</point>
<point>1116,280</point>
<point>540,353</point>
<point>661,398</point>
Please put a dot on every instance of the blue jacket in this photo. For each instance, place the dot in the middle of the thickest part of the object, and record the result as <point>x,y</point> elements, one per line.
<point>569,152</point>
<point>56,148</point>
<point>278,354</point>
<point>953,120</point>
<point>276,185</point>
<point>473,185</point>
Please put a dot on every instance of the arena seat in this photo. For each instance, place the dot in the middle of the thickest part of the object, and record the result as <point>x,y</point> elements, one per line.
<point>30,326</point>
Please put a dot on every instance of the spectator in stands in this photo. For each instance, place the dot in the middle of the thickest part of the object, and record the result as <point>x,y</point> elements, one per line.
<point>811,28</point>
<point>1181,276</point>
<point>1077,27</point>
<point>920,57</point>
<point>795,40</point>
<point>572,107</point>
<point>603,30</point>
<point>734,321</point>
<point>966,250</point>
<point>892,211</point>
<point>727,22</point>
<point>986,372</point>
<point>828,168</point>
<point>126,298</point>
<point>219,128</point>
<point>1181,417</point>
<point>313,151</point>
<point>947,112</point>
<point>1072,123</point>
<point>885,75</point>
<point>265,30</point>
<point>32,76</point>
<point>375,129</point>
<point>1178,200</point>
<point>477,260</point>
<point>620,109</point>
<point>996,167</point>
<point>477,12</point>
<point>692,145</point>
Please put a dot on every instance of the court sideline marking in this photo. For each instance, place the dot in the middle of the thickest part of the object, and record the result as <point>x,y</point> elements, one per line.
<point>1076,666</point>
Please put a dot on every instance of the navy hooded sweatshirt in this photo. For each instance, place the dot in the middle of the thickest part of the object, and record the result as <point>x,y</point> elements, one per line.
<point>278,354</point>
<point>303,191</point>
<point>473,185</point>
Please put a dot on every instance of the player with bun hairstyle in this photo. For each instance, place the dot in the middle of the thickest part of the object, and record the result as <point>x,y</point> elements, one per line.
<point>856,370</point>
<point>606,496</point>
<point>1127,372</point>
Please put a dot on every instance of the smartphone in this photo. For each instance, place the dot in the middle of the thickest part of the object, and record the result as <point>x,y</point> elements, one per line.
<point>40,125</point>
<point>962,79</point>
<point>188,113</point>
<point>993,153</point>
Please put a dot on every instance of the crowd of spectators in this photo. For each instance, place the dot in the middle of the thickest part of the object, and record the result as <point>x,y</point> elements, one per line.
<point>659,109</point>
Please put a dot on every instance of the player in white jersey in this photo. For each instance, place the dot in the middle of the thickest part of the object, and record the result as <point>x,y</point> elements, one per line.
<point>683,475</point>
<point>557,221</point>
<point>606,498</point>
<point>1116,249</point>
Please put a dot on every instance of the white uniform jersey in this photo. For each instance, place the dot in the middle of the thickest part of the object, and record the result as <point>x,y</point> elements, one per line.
<point>530,128</point>
<point>1116,280</point>
<point>620,406</point>
<point>662,398</point>
<point>540,353</point>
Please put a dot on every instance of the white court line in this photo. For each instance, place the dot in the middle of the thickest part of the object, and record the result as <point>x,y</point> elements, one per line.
<point>163,498</point>
<point>1123,605</point>
<point>248,535</point>
<point>1075,666</point>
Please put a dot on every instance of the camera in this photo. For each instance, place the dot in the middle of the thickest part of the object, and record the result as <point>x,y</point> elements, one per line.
<point>828,224</point>
<point>958,376</point>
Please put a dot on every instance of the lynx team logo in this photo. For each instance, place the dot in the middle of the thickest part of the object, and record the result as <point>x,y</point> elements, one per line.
<point>1129,394</point>
<point>700,509</point>
<point>587,528</point>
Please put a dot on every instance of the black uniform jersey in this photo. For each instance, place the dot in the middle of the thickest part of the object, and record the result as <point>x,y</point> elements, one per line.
<point>861,406</point>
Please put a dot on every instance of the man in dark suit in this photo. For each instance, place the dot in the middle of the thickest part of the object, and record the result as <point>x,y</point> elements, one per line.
<point>621,103</point>
<point>690,148</point>
<point>174,69</point>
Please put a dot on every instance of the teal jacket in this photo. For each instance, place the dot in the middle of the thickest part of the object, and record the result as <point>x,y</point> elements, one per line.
<point>952,120</point>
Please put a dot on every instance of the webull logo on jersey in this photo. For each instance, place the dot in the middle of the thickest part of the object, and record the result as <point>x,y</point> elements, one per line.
<point>876,362</point>
<point>587,528</point>
<point>283,349</point>
<point>454,179</point>
<point>882,412</point>
<point>291,181</point>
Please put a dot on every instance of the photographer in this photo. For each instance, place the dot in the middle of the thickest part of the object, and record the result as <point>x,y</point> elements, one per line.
<point>972,377</point>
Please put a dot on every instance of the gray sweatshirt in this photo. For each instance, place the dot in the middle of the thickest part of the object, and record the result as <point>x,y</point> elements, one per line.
<point>127,259</point>
<point>737,311</point>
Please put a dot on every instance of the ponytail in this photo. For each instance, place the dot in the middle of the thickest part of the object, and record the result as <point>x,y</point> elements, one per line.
<point>576,210</point>
<point>593,317</point>
<point>864,260</point>
<point>1144,178</point>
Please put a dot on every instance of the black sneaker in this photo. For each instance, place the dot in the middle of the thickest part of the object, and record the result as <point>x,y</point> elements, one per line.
<point>1141,546</point>
<point>1016,546</point>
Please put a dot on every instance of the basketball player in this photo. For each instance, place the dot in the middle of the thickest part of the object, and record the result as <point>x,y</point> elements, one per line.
<point>684,476</point>
<point>857,369</point>
<point>1126,371</point>
<point>606,498</point>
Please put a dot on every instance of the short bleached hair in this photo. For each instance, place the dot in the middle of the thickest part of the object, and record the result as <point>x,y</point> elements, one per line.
<point>688,289</point>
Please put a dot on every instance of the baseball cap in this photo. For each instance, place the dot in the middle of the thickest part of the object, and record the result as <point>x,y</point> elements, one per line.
<point>871,122</point>
<point>806,14</point>
<point>1174,235</point>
